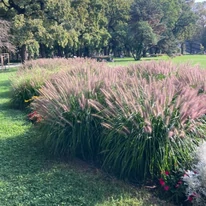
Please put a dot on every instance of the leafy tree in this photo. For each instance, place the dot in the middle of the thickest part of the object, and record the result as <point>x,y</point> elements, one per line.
<point>170,21</point>
<point>117,14</point>
<point>38,24</point>
<point>58,23</point>
<point>145,26</point>
<point>24,35</point>
<point>142,36</point>
<point>179,20</point>
<point>200,32</point>
<point>21,15</point>
<point>87,27</point>
<point>91,26</point>
<point>5,37</point>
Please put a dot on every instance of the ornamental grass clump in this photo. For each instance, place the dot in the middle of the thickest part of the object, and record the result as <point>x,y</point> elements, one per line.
<point>25,84</point>
<point>134,123</point>
<point>49,64</point>
<point>156,69</point>
<point>187,74</point>
<point>193,76</point>
<point>68,123</point>
<point>56,64</point>
<point>150,126</point>
<point>33,74</point>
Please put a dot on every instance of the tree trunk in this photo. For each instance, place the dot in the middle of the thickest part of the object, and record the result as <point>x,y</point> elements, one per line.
<point>182,48</point>
<point>144,53</point>
<point>156,50</point>
<point>60,51</point>
<point>42,51</point>
<point>190,47</point>
<point>127,51</point>
<point>115,52</point>
<point>139,50</point>
<point>86,52</point>
<point>105,51</point>
<point>23,53</point>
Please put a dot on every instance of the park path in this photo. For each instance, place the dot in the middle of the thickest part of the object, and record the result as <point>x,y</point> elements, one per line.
<point>12,65</point>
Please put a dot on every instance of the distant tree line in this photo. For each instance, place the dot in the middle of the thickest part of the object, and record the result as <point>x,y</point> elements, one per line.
<point>84,28</point>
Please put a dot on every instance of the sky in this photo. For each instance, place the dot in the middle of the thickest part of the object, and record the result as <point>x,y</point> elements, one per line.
<point>200,0</point>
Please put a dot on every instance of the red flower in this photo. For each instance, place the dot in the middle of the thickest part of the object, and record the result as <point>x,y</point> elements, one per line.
<point>194,194</point>
<point>162,182</point>
<point>166,188</point>
<point>190,198</point>
<point>35,117</point>
<point>32,114</point>
<point>178,184</point>
<point>167,172</point>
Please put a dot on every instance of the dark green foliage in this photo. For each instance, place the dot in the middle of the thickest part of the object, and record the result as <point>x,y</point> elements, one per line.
<point>77,134</point>
<point>88,28</point>
<point>22,97</point>
<point>143,136</point>
<point>25,86</point>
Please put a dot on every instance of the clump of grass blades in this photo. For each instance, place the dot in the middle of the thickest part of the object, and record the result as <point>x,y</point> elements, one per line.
<point>193,76</point>
<point>150,126</point>
<point>33,74</point>
<point>68,123</point>
<point>134,123</point>
<point>187,74</point>
<point>25,85</point>
<point>49,64</point>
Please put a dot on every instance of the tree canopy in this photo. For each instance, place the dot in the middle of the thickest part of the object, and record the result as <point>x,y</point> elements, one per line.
<point>66,28</point>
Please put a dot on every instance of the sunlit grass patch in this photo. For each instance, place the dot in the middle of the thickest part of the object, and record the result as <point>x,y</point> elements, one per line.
<point>192,59</point>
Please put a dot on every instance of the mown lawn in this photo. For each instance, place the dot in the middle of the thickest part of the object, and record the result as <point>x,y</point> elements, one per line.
<point>29,176</point>
<point>193,59</point>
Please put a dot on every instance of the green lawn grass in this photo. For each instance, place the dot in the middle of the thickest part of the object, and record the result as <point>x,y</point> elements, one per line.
<point>29,176</point>
<point>193,59</point>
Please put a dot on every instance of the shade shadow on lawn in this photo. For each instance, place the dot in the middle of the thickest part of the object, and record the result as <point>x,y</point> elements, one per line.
<point>4,95</point>
<point>29,177</point>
